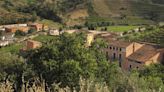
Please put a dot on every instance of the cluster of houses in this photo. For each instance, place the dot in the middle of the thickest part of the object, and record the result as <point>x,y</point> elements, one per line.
<point>7,32</point>
<point>129,55</point>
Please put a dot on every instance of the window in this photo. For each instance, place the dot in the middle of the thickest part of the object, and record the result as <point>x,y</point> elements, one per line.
<point>114,55</point>
<point>110,48</point>
<point>120,57</point>
<point>130,66</point>
<point>137,62</point>
<point>120,64</point>
<point>117,48</point>
<point>120,49</point>
<point>113,48</point>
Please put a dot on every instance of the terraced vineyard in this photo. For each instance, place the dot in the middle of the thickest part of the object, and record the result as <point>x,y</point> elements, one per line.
<point>153,36</point>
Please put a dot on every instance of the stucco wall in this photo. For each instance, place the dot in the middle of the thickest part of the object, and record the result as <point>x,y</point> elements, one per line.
<point>155,59</point>
<point>132,48</point>
<point>134,65</point>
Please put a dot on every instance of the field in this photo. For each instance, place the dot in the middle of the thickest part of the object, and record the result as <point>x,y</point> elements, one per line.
<point>153,36</point>
<point>13,48</point>
<point>44,38</point>
<point>130,20</point>
<point>50,23</point>
<point>119,28</point>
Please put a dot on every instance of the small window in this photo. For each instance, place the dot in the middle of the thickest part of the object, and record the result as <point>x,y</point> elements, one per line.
<point>113,48</point>
<point>130,66</point>
<point>137,67</point>
<point>114,55</point>
<point>120,57</point>
<point>117,48</point>
<point>120,49</point>
<point>110,47</point>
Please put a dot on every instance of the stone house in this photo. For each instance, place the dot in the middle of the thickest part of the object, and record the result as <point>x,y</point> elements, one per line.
<point>145,55</point>
<point>54,32</point>
<point>31,44</point>
<point>133,55</point>
<point>36,26</point>
<point>14,29</point>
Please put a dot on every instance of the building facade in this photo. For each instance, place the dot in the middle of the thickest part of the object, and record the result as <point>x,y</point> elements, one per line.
<point>133,55</point>
<point>31,44</point>
<point>14,29</point>
<point>36,26</point>
<point>54,32</point>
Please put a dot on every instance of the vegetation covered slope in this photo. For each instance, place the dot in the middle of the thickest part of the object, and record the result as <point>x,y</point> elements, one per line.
<point>151,35</point>
<point>15,11</point>
<point>130,8</point>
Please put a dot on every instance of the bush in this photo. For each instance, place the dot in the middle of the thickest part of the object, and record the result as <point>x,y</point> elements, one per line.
<point>20,33</point>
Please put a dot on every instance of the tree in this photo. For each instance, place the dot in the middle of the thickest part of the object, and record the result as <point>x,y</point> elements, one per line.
<point>153,15</point>
<point>11,69</point>
<point>154,71</point>
<point>31,31</point>
<point>34,16</point>
<point>71,72</point>
<point>20,33</point>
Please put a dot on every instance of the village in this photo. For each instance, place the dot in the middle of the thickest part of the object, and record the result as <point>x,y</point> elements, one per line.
<point>130,55</point>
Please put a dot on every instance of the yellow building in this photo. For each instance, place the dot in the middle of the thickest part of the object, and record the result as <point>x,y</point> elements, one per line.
<point>90,39</point>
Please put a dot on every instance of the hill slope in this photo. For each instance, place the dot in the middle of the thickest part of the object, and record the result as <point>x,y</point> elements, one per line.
<point>142,8</point>
<point>70,12</point>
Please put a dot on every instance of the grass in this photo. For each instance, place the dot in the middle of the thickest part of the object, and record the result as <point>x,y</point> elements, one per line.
<point>13,48</point>
<point>106,8</point>
<point>130,20</point>
<point>51,23</point>
<point>119,28</point>
<point>153,36</point>
<point>101,7</point>
<point>44,38</point>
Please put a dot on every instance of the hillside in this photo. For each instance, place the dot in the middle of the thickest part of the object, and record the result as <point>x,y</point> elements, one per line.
<point>127,7</point>
<point>145,9</point>
<point>76,11</point>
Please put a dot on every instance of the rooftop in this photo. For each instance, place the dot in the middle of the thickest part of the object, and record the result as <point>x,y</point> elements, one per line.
<point>144,53</point>
<point>117,43</point>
